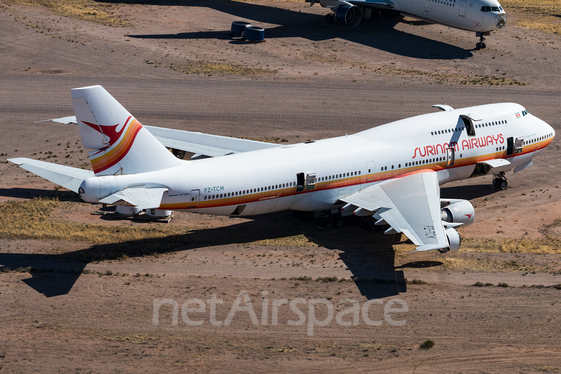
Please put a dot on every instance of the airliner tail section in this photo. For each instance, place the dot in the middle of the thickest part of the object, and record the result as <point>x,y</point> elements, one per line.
<point>119,143</point>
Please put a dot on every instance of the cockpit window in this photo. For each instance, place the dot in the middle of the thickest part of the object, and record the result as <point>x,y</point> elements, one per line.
<point>491,8</point>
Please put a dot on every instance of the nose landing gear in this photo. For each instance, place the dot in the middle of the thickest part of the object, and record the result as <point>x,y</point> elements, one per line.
<point>499,181</point>
<point>481,44</point>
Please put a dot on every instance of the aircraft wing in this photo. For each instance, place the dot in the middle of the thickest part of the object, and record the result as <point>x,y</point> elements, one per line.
<point>65,176</point>
<point>205,144</point>
<point>196,142</point>
<point>139,197</point>
<point>410,205</point>
<point>497,165</point>
<point>376,4</point>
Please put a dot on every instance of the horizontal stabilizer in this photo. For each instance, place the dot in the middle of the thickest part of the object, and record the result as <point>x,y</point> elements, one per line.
<point>139,197</point>
<point>65,176</point>
<point>196,142</point>
<point>205,144</point>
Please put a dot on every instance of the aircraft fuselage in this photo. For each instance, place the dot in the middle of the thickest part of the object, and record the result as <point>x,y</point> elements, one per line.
<point>313,176</point>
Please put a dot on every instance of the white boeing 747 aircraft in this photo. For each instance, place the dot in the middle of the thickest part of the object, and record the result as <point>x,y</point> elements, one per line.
<point>481,16</point>
<point>391,172</point>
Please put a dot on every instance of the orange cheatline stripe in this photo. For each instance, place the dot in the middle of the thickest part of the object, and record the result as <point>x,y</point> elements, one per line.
<point>355,180</point>
<point>115,155</point>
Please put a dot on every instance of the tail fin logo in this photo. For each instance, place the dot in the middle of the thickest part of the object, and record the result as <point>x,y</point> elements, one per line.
<point>116,149</point>
<point>112,133</point>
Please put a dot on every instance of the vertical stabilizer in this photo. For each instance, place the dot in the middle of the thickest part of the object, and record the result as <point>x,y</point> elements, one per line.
<point>121,145</point>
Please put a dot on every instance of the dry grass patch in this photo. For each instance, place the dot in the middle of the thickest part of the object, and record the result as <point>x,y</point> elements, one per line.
<point>486,266</point>
<point>547,245</point>
<point>443,78</point>
<point>88,10</point>
<point>220,68</point>
<point>543,15</point>
<point>289,241</point>
<point>136,338</point>
<point>32,220</point>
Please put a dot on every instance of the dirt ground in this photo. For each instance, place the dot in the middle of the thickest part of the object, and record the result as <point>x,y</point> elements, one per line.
<point>106,304</point>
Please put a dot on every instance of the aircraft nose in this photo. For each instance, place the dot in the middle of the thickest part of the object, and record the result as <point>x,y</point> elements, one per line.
<point>551,130</point>
<point>500,20</point>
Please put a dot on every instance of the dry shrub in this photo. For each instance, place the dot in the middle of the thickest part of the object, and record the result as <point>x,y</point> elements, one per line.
<point>88,10</point>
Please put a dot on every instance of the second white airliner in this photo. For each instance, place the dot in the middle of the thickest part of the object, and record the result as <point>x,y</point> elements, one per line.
<point>481,16</point>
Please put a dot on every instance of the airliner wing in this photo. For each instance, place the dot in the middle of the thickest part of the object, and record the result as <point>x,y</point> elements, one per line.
<point>196,142</point>
<point>205,144</point>
<point>139,197</point>
<point>410,205</point>
<point>65,176</point>
<point>497,165</point>
<point>378,4</point>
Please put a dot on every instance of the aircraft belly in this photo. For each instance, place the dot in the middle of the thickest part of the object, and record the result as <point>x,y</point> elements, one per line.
<point>314,201</point>
<point>521,159</point>
<point>449,175</point>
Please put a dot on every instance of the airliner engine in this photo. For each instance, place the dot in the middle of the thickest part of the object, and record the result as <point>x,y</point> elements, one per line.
<point>457,211</point>
<point>348,15</point>
<point>453,239</point>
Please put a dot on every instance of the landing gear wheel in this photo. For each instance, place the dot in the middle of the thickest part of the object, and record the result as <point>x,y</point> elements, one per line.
<point>325,223</point>
<point>502,184</point>
<point>367,225</point>
<point>339,222</point>
<point>481,44</point>
<point>499,182</point>
<point>329,18</point>
<point>301,216</point>
<point>178,153</point>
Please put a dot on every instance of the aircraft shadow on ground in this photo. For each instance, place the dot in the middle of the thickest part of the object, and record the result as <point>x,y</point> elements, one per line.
<point>379,33</point>
<point>29,193</point>
<point>368,256</point>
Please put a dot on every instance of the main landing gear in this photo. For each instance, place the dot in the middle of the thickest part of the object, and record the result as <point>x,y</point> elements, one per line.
<point>329,220</point>
<point>481,44</point>
<point>325,219</point>
<point>499,181</point>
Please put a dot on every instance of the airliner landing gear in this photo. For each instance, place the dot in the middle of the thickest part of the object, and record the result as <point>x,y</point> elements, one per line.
<point>327,220</point>
<point>330,18</point>
<point>499,181</point>
<point>481,44</point>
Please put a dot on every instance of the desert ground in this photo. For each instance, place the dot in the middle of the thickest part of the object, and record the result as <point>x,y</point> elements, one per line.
<point>82,292</point>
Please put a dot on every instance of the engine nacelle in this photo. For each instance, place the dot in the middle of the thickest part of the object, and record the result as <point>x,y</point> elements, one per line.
<point>459,211</point>
<point>348,15</point>
<point>453,239</point>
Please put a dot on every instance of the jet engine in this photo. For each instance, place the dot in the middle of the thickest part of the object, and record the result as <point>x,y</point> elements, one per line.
<point>348,15</point>
<point>458,211</point>
<point>453,240</point>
